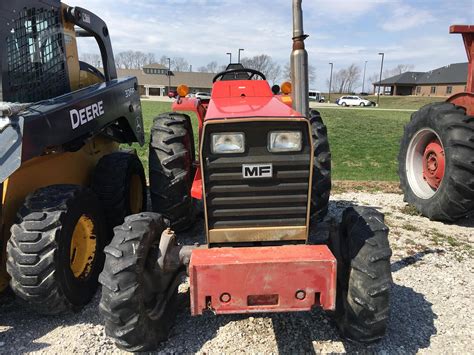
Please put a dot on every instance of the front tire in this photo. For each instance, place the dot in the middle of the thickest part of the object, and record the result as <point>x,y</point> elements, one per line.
<point>171,158</point>
<point>364,276</point>
<point>138,315</point>
<point>321,183</point>
<point>55,249</point>
<point>436,168</point>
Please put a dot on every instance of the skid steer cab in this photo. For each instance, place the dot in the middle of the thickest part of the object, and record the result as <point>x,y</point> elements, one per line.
<point>262,173</point>
<point>64,182</point>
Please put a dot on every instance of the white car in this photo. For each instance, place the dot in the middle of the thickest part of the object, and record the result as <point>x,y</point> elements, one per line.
<point>353,101</point>
<point>203,95</point>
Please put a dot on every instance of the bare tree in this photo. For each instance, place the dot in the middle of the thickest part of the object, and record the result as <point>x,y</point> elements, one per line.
<point>344,80</point>
<point>265,64</point>
<point>311,72</point>
<point>179,64</point>
<point>211,67</point>
<point>91,58</point>
<point>399,69</point>
<point>374,78</point>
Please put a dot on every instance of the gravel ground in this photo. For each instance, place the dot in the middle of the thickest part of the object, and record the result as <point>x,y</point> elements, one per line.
<point>432,304</point>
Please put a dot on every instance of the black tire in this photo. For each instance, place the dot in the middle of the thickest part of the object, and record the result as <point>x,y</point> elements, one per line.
<point>127,299</point>
<point>119,183</point>
<point>321,183</point>
<point>454,197</point>
<point>361,104</point>
<point>171,158</point>
<point>364,276</point>
<point>39,249</point>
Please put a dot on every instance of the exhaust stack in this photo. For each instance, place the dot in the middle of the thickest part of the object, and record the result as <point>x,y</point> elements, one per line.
<point>299,63</point>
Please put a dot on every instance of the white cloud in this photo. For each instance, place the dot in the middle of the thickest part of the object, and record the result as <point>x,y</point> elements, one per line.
<point>404,17</point>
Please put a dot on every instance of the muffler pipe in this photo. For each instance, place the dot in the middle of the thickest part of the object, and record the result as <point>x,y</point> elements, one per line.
<point>299,63</point>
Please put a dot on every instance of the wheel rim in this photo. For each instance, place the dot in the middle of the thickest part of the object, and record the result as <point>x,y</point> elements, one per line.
<point>136,194</point>
<point>425,163</point>
<point>83,247</point>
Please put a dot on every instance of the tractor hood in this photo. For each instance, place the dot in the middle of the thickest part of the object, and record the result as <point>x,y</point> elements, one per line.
<point>11,133</point>
<point>245,99</point>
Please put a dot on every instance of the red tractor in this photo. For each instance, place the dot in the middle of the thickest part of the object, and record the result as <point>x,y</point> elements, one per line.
<point>262,174</point>
<point>436,160</point>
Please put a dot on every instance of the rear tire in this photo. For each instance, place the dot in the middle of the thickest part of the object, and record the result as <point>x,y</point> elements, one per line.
<point>171,158</point>
<point>454,197</point>
<point>55,249</point>
<point>133,285</point>
<point>364,276</point>
<point>321,183</point>
<point>119,183</point>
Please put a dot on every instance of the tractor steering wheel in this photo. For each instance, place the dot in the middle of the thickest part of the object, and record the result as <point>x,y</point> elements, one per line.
<point>241,70</point>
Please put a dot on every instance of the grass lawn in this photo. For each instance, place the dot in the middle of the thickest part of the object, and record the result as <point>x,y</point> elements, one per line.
<point>364,143</point>
<point>405,102</point>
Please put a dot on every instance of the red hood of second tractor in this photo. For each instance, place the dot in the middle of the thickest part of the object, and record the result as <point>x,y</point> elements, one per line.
<point>246,98</point>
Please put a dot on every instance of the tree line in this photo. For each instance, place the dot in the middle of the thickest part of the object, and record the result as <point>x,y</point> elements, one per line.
<point>347,79</point>
<point>137,60</point>
<point>344,80</point>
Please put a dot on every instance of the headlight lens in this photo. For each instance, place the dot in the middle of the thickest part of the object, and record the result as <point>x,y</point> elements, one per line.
<point>227,143</point>
<point>284,141</point>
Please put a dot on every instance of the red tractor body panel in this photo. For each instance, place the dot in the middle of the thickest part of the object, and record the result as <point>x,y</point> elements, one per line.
<point>262,279</point>
<point>466,99</point>
<point>246,98</point>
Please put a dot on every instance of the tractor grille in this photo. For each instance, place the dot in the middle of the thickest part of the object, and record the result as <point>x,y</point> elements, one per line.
<point>36,60</point>
<point>235,202</point>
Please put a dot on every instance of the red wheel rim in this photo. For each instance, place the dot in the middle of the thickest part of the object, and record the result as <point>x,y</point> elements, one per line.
<point>434,163</point>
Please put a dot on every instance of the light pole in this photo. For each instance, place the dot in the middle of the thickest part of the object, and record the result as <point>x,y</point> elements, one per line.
<point>230,56</point>
<point>330,83</point>
<point>380,77</point>
<point>169,75</point>
<point>240,50</point>
<point>363,80</point>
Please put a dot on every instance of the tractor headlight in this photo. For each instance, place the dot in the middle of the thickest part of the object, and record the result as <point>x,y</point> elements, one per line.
<point>282,141</point>
<point>227,143</point>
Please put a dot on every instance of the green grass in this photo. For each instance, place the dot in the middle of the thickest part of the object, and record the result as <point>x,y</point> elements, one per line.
<point>364,143</point>
<point>405,102</point>
<point>396,102</point>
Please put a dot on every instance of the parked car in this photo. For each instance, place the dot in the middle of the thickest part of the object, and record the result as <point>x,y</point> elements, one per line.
<point>364,94</point>
<point>172,94</point>
<point>353,101</point>
<point>203,95</point>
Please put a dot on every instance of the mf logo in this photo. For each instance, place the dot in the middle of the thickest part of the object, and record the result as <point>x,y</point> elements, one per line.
<point>250,171</point>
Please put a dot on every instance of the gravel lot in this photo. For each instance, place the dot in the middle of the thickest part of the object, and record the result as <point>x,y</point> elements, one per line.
<point>432,304</point>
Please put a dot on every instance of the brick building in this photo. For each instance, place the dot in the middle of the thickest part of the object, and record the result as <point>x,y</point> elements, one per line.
<point>153,80</point>
<point>445,81</point>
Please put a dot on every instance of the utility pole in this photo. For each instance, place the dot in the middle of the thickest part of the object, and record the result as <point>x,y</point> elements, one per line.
<point>363,80</point>
<point>380,78</point>
<point>169,75</point>
<point>240,50</point>
<point>330,83</point>
<point>230,55</point>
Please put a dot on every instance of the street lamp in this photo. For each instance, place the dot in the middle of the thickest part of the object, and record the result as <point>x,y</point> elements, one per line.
<point>230,55</point>
<point>330,83</point>
<point>363,80</point>
<point>380,78</point>
<point>169,75</point>
<point>240,50</point>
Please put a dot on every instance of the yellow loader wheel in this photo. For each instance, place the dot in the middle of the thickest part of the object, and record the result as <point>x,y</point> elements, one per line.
<point>119,183</point>
<point>55,252</point>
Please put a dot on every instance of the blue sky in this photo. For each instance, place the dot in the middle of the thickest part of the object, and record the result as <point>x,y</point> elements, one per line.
<point>342,32</point>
